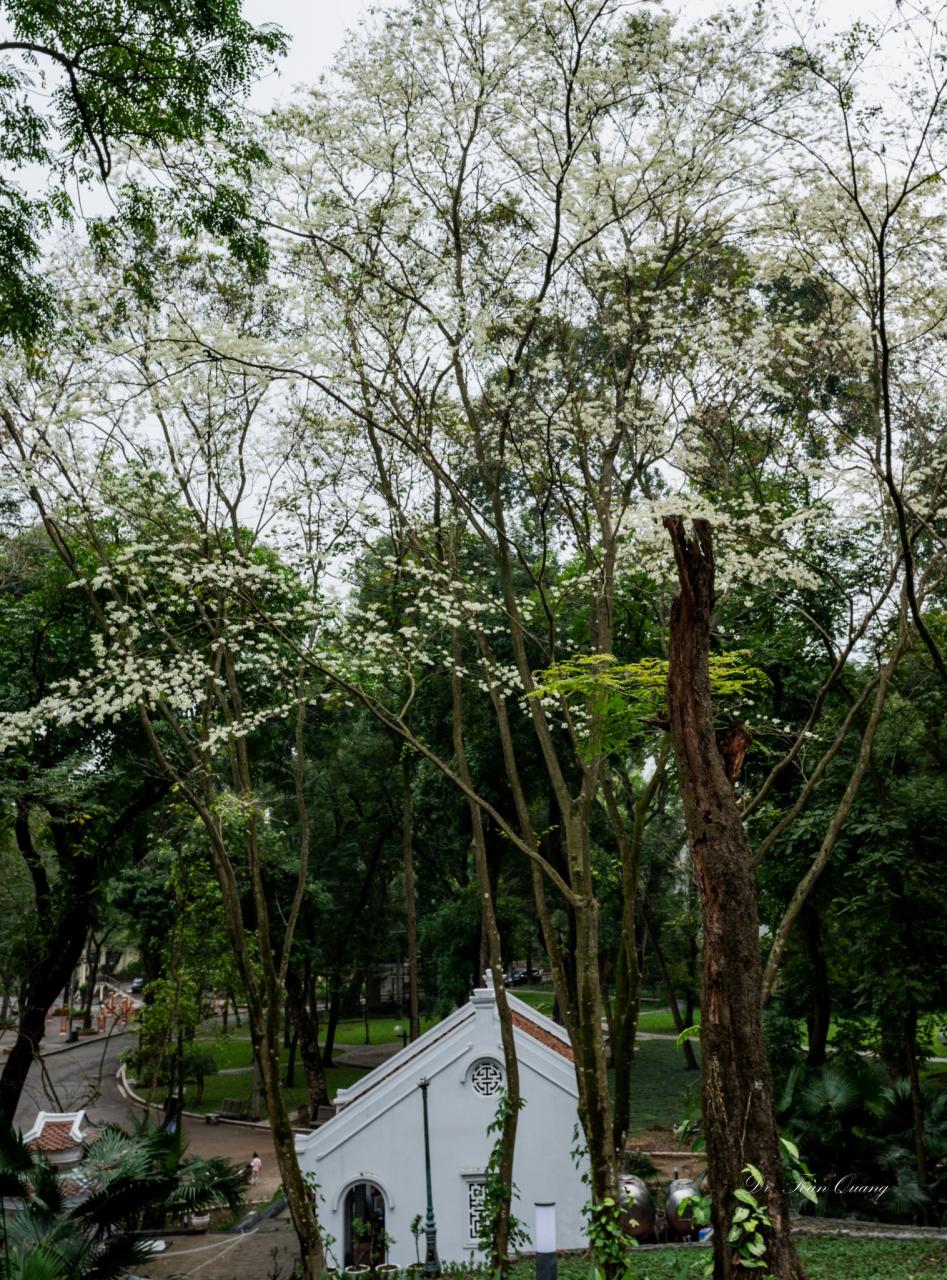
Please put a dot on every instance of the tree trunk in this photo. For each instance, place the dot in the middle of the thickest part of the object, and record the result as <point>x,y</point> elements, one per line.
<point>411,915</point>
<point>844,807</point>
<point>510,1108</point>
<point>679,1023</point>
<point>335,1004</point>
<point>290,1077</point>
<point>625,1027</point>
<point>298,1197</point>
<point>592,1076</point>
<point>39,990</point>
<point>609,1012</point>
<point>736,1087</point>
<point>917,1104</point>
<point>307,1034</point>
<point>500,1256</point>
<point>629,836</point>
<point>91,981</point>
<point>820,1011</point>
<point>180,1072</point>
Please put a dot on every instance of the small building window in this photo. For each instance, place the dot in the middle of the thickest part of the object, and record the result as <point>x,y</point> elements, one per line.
<point>487,1078</point>
<point>476,1208</point>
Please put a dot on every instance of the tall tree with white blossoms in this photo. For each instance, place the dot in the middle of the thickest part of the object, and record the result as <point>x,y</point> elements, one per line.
<point>497,209</point>
<point>169,579</point>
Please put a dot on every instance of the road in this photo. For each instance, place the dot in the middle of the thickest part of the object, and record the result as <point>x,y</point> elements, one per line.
<point>80,1077</point>
<point>83,1077</point>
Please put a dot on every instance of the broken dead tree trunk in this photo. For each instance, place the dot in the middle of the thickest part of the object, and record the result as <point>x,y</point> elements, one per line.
<point>736,1086</point>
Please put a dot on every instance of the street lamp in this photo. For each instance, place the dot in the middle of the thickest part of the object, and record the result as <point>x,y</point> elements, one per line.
<point>403,1033</point>
<point>432,1265</point>
<point>544,1240</point>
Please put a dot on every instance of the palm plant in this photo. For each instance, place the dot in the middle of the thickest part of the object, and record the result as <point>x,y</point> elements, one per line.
<point>147,1171</point>
<point>850,1122</point>
<point>81,1223</point>
<point>894,1147</point>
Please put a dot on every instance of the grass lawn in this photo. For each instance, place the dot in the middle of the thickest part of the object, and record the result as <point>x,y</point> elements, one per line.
<point>541,1001</point>
<point>825,1258</point>
<point>217,1088</point>
<point>380,1030</point>
<point>660,1021</point>
<point>660,1084</point>
<point>932,1043</point>
<point>936,1076</point>
<point>233,1049</point>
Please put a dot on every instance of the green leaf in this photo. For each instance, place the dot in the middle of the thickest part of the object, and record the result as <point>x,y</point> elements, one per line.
<point>752,1170</point>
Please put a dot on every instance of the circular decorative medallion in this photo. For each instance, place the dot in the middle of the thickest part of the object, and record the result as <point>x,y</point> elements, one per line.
<point>487,1077</point>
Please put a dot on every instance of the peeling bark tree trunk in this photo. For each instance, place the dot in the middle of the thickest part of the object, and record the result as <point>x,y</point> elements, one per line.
<point>609,1012</point>
<point>736,1086</point>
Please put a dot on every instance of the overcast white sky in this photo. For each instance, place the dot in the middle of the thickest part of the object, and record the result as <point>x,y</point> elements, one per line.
<point>318,28</point>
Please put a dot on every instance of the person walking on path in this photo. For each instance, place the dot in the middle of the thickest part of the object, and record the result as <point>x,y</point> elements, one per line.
<point>256,1164</point>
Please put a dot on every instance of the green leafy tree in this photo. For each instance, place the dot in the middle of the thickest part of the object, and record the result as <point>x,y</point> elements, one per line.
<point>80,84</point>
<point>73,809</point>
<point>195,953</point>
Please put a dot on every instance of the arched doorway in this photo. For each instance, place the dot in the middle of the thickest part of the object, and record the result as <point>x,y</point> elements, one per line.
<point>364,1225</point>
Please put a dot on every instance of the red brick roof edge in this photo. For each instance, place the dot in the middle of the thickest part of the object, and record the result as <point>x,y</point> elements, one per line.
<point>542,1035</point>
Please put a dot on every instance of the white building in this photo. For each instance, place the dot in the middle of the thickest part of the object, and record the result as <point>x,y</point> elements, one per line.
<point>369,1158</point>
<point>59,1135</point>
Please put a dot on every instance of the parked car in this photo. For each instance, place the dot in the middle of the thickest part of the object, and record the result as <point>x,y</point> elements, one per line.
<point>138,986</point>
<point>521,977</point>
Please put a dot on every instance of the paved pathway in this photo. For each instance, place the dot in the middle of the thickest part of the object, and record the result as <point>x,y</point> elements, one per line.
<point>83,1076</point>
<point>364,1055</point>
<point>77,1077</point>
<point>266,1253</point>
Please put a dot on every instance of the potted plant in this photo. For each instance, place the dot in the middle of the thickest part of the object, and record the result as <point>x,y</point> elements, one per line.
<point>417,1231</point>
<point>361,1248</point>
<point>384,1241</point>
<point>198,1221</point>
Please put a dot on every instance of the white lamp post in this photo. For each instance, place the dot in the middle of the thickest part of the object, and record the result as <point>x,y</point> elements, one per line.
<point>544,1240</point>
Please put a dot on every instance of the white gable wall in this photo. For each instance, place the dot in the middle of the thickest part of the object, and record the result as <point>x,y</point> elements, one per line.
<point>378,1136</point>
